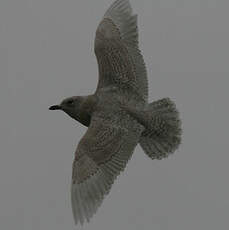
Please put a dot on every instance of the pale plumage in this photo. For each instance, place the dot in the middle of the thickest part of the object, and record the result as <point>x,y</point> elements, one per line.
<point>116,47</point>
<point>117,115</point>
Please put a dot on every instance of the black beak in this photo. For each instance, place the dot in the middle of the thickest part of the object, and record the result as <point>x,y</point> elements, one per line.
<point>55,107</point>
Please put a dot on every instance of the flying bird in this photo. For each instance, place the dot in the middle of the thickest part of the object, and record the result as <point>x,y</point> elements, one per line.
<point>117,114</point>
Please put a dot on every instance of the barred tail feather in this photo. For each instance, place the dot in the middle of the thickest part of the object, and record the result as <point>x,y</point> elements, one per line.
<point>162,135</point>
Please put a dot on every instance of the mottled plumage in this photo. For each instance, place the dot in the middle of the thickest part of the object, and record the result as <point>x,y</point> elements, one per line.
<point>117,115</point>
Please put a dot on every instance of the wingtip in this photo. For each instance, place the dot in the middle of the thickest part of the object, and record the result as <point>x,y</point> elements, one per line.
<point>120,6</point>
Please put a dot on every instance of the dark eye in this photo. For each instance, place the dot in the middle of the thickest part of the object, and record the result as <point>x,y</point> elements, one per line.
<point>70,102</point>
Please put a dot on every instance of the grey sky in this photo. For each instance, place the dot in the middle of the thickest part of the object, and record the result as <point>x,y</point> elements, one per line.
<point>46,54</point>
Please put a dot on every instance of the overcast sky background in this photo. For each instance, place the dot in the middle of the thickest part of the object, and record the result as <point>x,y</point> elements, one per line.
<point>46,54</point>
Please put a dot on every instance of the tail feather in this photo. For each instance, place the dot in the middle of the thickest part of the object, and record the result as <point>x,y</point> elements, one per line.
<point>162,135</point>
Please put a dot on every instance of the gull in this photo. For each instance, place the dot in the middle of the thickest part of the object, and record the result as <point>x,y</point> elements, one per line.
<point>117,114</point>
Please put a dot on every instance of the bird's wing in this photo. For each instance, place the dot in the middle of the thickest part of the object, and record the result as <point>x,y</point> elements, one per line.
<point>101,155</point>
<point>116,47</point>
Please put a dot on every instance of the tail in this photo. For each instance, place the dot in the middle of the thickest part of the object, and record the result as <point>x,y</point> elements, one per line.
<point>162,135</point>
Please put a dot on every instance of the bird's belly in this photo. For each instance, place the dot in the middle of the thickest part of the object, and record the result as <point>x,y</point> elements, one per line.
<point>115,98</point>
<point>110,107</point>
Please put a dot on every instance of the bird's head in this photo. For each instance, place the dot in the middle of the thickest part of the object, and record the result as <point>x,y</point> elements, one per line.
<point>70,105</point>
<point>79,108</point>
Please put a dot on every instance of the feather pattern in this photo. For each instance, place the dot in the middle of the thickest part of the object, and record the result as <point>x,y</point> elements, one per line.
<point>98,161</point>
<point>162,136</point>
<point>116,47</point>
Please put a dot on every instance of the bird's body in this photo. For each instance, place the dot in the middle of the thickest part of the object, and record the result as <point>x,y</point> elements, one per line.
<point>118,115</point>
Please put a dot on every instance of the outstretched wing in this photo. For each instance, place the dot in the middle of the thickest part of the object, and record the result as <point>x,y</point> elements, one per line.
<point>116,47</point>
<point>100,157</point>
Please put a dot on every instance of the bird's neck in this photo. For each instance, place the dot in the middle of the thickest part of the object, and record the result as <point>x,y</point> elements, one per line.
<point>86,109</point>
